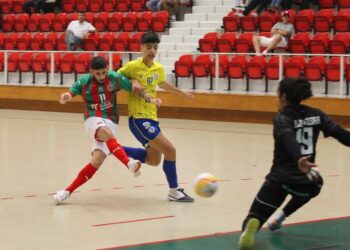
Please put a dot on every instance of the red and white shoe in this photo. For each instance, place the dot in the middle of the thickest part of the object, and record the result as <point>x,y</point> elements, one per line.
<point>134,166</point>
<point>61,196</point>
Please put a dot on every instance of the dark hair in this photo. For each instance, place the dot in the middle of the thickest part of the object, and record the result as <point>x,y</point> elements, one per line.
<point>295,89</point>
<point>98,62</point>
<point>150,37</point>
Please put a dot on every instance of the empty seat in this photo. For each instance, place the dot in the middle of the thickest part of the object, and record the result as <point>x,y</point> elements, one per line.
<point>226,42</point>
<point>255,68</point>
<point>294,67</point>
<point>236,69</point>
<point>341,21</point>
<point>319,43</point>
<point>324,20</point>
<point>304,20</point>
<point>299,43</point>
<point>208,42</point>
<point>200,68</point>
<point>182,67</point>
<point>339,44</point>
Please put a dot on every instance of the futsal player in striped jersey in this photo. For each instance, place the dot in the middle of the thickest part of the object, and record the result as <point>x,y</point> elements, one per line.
<point>296,128</point>
<point>98,90</point>
<point>143,121</point>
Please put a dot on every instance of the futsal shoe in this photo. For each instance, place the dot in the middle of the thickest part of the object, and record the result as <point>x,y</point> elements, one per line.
<point>134,166</point>
<point>61,196</point>
<point>178,194</point>
<point>274,225</point>
<point>246,241</point>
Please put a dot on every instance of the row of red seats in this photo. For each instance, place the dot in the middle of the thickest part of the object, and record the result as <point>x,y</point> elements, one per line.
<point>320,43</point>
<point>330,4</point>
<point>68,63</point>
<point>306,20</point>
<point>123,41</point>
<point>257,67</point>
<point>68,6</point>
<point>113,22</point>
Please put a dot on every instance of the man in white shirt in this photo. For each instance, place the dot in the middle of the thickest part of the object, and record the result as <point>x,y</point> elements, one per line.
<point>76,32</point>
<point>281,33</point>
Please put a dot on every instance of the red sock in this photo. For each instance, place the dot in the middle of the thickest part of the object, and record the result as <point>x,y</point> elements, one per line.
<point>84,175</point>
<point>118,151</point>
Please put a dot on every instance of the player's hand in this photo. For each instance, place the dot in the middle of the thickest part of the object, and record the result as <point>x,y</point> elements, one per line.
<point>65,97</point>
<point>157,101</point>
<point>187,94</point>
<point>136,87</point>
<point>308,168</point>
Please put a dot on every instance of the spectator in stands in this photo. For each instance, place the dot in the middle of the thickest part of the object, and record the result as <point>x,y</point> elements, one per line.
<point>275,5</point>
<point>76,32</point>
<point>281,32</point>
<point>38,6</point>
<point>259,5</point>
<point>158,5</point>
<point>305,4</point>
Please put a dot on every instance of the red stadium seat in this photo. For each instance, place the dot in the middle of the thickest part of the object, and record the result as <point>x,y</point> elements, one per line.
<point>24,64</point>
<point>59,23</point>
<point>266,21</point>
<point>231,23</point>
<point>226,42</point>
<point>91,42</point>
<point>45,22</point>
<point>341,21</point>
<point>33,22</point>
<point>223,63</point>
<point>49,42</point>
<point>332,71</point>
<point>2,61</point>
<point>244,43</point>
<point>8,22</point>
<point>117,62</point>
<point>255,68</point>
<point>108,5</point>
<point>344,4</point>
<point>122,5</point>
<point>299,43</point>
<point>20,23</point>
<point>129,22</point>
<point>12,62</point>
<point>105,42</point>
<point>272,68</point>
<point>314,68</point>
<point>95,5</point>
<point>160,21</point>
<point>71,17</point>
<point>61,42</point>
<point>294,67</point>
<point>304,20</point>
<point>137,5</point>
<point>17,6</point>
<point>134,42</point>
<point>236,69</point>
<point>200,68</point>
<point>339,44</point>
<point>208,42</point>
<point>114,22</point>
<point>38,65</point>
<point>66,65</point>
<point>326,4</point>
<point>23,41</point>
<point>144,21</point>
<point>183,67</point>
<point>5,7</point>
<point>56,63</point>
<point>324,20</point>
<point>10,41</point>
<point>120,42</point>
<point>319,43</point>
<point>81,64</point>
<point>82,5</point>
<point>68,6</point>
<point>2,36</point>
<point>248,23</point>
<point>100,21</point>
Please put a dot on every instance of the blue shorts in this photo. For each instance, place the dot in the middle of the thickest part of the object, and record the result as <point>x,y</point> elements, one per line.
<point>145,130</point>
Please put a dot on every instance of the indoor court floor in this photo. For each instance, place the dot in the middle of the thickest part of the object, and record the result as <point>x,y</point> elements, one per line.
<point>42,152</point>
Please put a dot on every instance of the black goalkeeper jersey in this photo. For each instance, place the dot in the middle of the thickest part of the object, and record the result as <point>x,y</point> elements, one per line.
<point>296,129</point>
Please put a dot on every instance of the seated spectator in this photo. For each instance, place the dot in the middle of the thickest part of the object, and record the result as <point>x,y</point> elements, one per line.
<point>76,32</point>
<point>158,5</point>
<point>281,32</point>
<point>38,6</point>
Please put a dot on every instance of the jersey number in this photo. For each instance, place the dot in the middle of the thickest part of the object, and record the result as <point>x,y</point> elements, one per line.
<point>102,98</point>
<point>305,139</point>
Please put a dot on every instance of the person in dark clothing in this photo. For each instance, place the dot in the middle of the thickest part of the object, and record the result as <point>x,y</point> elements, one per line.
<point>296,128</point>
<point>259,5</point>
<point>38,5</point>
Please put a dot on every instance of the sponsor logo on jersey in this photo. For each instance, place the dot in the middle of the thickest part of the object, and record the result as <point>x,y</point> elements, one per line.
<point>102,106</point>
<point>110,87</point>
<point>151,130</point>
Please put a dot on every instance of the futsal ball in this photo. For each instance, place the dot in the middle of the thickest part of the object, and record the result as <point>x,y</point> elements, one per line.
<point>206,185</point>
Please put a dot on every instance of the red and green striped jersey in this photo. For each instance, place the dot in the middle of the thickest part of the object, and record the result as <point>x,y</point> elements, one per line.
<point>101,99</point>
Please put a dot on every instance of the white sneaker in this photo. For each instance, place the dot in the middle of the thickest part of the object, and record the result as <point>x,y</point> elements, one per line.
<point>265,52</point>
<point>178,194</point>
<point>134,166</point>
<point>61,196</point>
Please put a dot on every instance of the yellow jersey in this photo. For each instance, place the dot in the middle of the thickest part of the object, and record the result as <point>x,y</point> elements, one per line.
<point>149,78</point>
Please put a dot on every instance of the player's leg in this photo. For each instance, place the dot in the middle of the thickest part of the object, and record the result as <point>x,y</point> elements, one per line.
<point>269,198</point>
<point>103,130</point>
<point>85,174</point>
<point>169,167</point>
<point>301,194</point>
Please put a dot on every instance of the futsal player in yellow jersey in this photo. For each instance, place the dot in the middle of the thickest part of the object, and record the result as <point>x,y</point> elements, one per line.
<point>143,121</point>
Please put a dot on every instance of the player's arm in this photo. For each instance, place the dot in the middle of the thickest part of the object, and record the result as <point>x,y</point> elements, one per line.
<point>334,130</point>
<point>283,127</point>
<point>169,87</point>
<point>140,91</point>
<point>74,90</point>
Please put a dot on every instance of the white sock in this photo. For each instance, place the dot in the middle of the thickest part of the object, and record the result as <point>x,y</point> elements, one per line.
<point>280,216</point>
